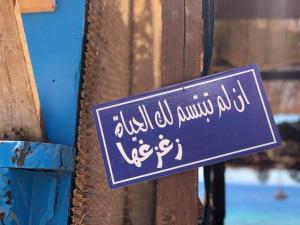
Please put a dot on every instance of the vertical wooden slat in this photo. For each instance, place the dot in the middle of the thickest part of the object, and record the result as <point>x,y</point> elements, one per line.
<point>19,104</point>
<point>193,39</point>
<point>145,29</point>
<point>142,47</point>
<point>172,42</point>
<point>177,198</point>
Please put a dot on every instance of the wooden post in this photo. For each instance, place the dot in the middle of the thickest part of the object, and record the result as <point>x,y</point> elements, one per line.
<point>19,104</point>
<point>145,28</point>
<point>177,195</point>
<point>218,194</point>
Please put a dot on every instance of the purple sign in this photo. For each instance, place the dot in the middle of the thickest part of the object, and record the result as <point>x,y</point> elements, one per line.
<point>184,126</point>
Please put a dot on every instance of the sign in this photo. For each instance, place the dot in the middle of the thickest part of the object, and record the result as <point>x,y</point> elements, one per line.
<point>184,126</point>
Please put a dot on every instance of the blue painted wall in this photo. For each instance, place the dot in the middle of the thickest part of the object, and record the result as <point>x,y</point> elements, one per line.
<point>55,46</point>
<point>35,192</point>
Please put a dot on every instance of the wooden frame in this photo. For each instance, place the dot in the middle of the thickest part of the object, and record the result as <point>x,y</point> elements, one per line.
<point>35,6</point>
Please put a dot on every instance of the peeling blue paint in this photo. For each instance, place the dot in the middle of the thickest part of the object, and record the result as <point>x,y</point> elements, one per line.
<point>37,190</point>
<point>36,156</point>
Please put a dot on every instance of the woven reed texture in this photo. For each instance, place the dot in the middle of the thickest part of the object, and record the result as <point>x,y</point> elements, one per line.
<point>122,58</point>
<point>106,77</point>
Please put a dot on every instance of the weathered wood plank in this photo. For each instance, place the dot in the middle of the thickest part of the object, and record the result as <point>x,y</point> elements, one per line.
<point>145,72</point>
<point>177,198</point>
<point>19,104</point>
<point>283,96</point>
<point>193,54</point>
<point>272,44</point>
<point>35,6</point>
<point>247,9</point>
<point>172,58</point>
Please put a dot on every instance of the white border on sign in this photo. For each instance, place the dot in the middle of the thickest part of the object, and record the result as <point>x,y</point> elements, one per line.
<point>195,162</point>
